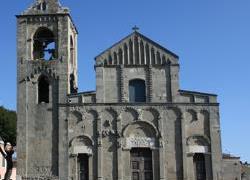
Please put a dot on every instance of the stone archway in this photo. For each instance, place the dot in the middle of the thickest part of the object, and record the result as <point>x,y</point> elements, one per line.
<point>141,150</point>
<point>81,159</point>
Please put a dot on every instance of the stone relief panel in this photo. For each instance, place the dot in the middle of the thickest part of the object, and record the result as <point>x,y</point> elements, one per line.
<point>140,134</point>
<point>109,127</point>
<point>198,144</point>
<point>81,144</point>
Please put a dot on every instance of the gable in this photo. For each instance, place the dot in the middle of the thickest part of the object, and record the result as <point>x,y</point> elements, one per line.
<point>136,49</point>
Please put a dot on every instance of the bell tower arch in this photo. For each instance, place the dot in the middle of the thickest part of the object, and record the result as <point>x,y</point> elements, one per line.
<point>46,63</point>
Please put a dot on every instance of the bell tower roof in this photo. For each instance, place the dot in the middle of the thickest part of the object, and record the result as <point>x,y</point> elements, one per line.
<point>40,7</point>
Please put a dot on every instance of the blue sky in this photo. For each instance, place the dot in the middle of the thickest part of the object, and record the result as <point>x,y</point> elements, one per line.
<point>211,37</point>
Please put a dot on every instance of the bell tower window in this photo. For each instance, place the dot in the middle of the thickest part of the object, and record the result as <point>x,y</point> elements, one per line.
<point>43,90</point>
<point>44,44</point>
<point>42,6</point>
<point>137,90</point>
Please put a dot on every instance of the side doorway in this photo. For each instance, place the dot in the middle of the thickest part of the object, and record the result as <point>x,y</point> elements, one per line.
<point>83,167</point>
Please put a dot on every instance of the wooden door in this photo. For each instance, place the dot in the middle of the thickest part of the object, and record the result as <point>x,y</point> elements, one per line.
<point>141,164</point>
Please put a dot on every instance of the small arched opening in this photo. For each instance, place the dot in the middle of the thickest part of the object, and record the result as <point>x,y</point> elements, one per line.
<point>44,44</point>
<point>43,89</point>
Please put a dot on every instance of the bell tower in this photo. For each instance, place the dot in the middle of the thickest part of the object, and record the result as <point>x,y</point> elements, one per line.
<point>46,74</point>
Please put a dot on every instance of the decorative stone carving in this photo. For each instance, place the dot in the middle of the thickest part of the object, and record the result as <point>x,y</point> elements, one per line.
<point>82,150</point>
<point>140,142</point>
<point>108,132</point>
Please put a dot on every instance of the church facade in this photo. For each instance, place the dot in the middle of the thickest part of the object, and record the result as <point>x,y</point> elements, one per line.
<point>137,125</point>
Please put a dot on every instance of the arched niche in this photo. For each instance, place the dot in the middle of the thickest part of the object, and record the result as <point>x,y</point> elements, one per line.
<point>192,115</point>
<point>81,145</point>
<point>198,144</point>
<point>140,134</point>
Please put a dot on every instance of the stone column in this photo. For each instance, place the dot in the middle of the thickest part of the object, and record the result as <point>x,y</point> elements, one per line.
<point>91,175</point>
<point>155,163</point>
<point>184,145</point>
<point>99,150</point>
<point>162,140</point>
<point>162,160</point>
<point>119,149</point>
<point>190,167</point>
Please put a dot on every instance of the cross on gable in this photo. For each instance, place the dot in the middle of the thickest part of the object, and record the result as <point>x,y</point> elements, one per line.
<point>135,28</point>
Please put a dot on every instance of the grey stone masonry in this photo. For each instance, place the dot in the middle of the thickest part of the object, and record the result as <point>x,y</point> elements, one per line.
<point>137,123</point>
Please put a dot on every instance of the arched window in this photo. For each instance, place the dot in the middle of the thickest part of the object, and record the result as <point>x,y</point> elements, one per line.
<point>137,90</point>
<point>199,166</point>
<point>42,6</point>
<point>43,90</point>
<point>72,60</point>
<point>44,45</point>
<point>73,88</point>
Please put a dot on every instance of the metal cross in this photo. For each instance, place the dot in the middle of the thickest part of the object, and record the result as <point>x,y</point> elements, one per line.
<point>135,28</point>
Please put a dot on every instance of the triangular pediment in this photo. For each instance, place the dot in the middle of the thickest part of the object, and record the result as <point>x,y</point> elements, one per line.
<point>40,7</point>
<point>136,49</point>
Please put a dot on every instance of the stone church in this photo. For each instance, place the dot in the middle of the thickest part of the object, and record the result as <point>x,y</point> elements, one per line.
<point>137,125</point>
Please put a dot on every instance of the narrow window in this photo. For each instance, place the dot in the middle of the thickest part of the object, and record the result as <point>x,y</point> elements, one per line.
<point>141,164</point>
<point>137,91</point>
<point>44,45</point>
<point>83,167</point>
<point>136,47</point>
<point>44,6</point>
<point>110,61</point>
<point>125,47</point>
<point>199,166</point>
<point>147,54</point>
<point>120,56</point>
<point>115,58</point>
<point>142,53</point>
<point>72,60</point>
<point>153,56</point>
<point>43,90</point>
<point>73,88</point>
<point>131,52</point>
